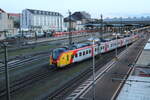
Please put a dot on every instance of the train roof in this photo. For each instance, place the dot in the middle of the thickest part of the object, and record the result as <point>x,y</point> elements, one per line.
<point>105,40</point>
<point>80,45</point>
<point>61,48</point>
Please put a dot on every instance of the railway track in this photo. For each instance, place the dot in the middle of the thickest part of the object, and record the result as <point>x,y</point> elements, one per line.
<point>31,79</point>
<point>18,63</point>
<point>20,84</point>
<point>61,93</point>
<point>44,73</point>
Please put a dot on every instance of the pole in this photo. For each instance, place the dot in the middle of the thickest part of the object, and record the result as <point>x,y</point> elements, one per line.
<point>36,35</point>
<point>101,25</point>
<point>93,72</point>
<point>126,46</point>
<point>7,74</point>
<point>116,45</point>
<point>121,26</point>
<point>70,34</point>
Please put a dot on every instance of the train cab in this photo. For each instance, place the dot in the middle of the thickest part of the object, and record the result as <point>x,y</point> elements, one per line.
<point>55,54</point>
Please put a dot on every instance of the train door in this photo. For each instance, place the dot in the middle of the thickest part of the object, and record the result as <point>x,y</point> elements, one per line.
<point>106,47</point>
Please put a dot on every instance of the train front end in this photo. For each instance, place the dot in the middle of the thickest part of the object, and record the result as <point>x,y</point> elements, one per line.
<point>55,57</point>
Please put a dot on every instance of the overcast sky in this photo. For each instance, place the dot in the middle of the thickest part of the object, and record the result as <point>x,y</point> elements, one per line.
<point>109,8</point>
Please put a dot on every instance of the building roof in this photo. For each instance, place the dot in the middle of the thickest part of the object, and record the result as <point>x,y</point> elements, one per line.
<point>14,14</point>
<point>137,89</point>
<point>79,16</point>
<point>42,12</point>
<point>2,11</point>
<point>67,19</point>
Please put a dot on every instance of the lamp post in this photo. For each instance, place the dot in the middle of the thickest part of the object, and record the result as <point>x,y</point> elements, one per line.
<point>70,28</point>
<point>6,71</point>
<point>93,43</point>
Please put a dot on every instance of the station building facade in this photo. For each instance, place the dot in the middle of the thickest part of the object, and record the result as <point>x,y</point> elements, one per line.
<point>46,20</point>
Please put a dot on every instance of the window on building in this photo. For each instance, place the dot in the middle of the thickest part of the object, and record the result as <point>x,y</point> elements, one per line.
<point>35,11</point>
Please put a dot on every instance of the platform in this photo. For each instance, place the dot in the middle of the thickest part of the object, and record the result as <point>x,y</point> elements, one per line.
<point>137,86</point>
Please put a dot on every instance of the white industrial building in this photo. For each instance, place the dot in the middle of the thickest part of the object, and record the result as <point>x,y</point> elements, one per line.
<point>46,20</point>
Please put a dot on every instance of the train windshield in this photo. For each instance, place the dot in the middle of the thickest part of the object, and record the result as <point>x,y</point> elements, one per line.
<point>57,52</point>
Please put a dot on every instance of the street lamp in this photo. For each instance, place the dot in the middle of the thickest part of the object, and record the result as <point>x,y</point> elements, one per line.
<point>116,51</point>
<point>6,70</point>
<point>93,43</point>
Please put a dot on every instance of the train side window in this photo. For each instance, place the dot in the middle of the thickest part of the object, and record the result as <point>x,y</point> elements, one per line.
<point>101,48</point>
<point>80,54</point>
<point>76,55</point>
<point>95,49</point>
<point>86,51</point>
<point>72,56</point>
<point>89,51</point>
<point>83,53</point>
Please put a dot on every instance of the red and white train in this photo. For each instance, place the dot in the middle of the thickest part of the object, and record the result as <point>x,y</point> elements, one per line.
<point>60,57</point>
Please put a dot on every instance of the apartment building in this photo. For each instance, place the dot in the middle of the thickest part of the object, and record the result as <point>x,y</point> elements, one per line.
<point>45,20</point>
